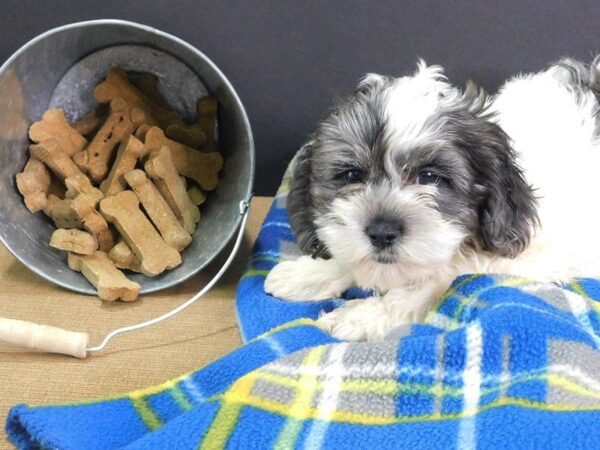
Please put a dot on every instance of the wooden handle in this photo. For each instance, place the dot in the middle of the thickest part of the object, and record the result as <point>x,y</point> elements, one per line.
<point>43,338</point>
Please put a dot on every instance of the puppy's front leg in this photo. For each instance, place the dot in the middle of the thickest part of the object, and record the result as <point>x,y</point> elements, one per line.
<point>306,278</point>
<point>374,317</point>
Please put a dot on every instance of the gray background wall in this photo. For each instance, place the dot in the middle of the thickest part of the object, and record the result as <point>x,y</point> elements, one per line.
<point>288,60</point>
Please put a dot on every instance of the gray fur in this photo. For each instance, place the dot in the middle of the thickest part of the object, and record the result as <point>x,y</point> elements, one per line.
<point>482,189</point>
<point>300,203</point>
<point>582,78</point>
<point>343,140</point>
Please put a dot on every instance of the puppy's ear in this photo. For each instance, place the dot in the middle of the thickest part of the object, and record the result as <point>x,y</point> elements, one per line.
<point>507,208</point>
<point>475,97</point>
<point>300,206</point>
<point>370,82</point>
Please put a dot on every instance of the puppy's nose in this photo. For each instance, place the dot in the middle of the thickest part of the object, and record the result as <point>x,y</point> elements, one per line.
<point>383,232</point>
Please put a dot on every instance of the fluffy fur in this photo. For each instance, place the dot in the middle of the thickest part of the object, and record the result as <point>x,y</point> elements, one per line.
<point>411,182</point>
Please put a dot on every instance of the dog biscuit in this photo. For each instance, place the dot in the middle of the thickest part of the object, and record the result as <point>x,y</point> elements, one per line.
<point>109,281</point>
<point>206,116</point>
<point>50,153</point>
<point>68,213</point>
<point>158,210</point>
<point>80,184</point>
<point>154,254</point>
<point>57,187</point>
<point>33,184</point>
<point>140,133</point>
<point>117,86</point>
<point>74,261</point>
<point>147,83</point>
<point>130,151</point>
<point>52,200</point>
<point>161,170</point>
<point>201,167</point>
<point>73,240</point>
<point>91,122</point>
<point>190,135</point>
<point>94,223</point>
<point>54,125</point>
<point>80,212</point>
<point>120,123</point>
<point>63,214</point>
<point>123,257</point>
<point>196,195</point>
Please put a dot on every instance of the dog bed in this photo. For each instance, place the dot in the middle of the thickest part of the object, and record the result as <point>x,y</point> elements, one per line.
<point>500,362</point>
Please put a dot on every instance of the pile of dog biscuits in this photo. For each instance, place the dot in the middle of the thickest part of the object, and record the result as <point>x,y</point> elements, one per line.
<point>124,183</point>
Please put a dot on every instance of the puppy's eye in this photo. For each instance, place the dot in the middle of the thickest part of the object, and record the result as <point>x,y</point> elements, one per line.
<point>428,177</point>
<point>352,176</point>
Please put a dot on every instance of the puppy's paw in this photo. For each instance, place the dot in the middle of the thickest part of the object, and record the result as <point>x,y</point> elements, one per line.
<point>371,319</point>
<point>306,279</point>
<point>357,320</point>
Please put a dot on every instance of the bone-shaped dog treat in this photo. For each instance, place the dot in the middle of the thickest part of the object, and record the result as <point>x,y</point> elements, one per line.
<point>51,202</point>
<point>196,195</point>
<point>57,187</point>
<point>155,255</point>
<point>201,167</point>
<point>97,226</point>
<point>123,257</point>
<point>80,184</point>
<point>63,215</point>
<point>33,184</point>
<point>129,152</point>
<point>102,273</point>
<point>147,84</point>
<point>73,240</point>
<point>116,86</point>
<point>158,210</point>
<point>161,170</point>
<point>54,125</point>
<point>69,213</point>
<point>74,261</point>
<point>91,122</point>
<point>120,123</point>
<point>80,212</point>
<point>206,116</point>
<point>140,133</point>
<point>191,135</point>
<point>50,153</point>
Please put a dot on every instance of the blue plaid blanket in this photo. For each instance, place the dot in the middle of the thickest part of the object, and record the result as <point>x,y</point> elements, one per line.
<point>501,362</point>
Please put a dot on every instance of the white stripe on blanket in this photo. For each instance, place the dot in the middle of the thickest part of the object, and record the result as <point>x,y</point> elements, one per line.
<point>472,382</point>
<point>334,369</point>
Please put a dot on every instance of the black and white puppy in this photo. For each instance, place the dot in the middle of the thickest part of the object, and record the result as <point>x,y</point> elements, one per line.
<point>411,182</point>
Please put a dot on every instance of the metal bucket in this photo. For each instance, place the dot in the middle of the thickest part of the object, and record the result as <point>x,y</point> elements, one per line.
<point>60,69</point>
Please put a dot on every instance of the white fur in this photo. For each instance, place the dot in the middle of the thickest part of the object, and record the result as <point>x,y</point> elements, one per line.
<point>308,279</point>
<point>432,241</point>
<point>552,130</point>
<point>412,100</point>
<point>553,133</point>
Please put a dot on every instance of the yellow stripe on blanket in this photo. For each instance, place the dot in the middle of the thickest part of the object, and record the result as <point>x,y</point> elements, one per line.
<point>305,391</point>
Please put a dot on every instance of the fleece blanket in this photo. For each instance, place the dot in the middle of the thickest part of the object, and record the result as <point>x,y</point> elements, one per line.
<point>501,362</point>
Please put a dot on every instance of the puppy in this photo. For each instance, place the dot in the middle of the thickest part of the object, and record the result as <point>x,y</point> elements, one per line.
<point>411,182</point>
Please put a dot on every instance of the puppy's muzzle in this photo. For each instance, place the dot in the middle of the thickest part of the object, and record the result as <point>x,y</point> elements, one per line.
<point>383,232</point>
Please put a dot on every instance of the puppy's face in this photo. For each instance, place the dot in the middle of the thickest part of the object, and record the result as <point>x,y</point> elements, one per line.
<point>406,171</point>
